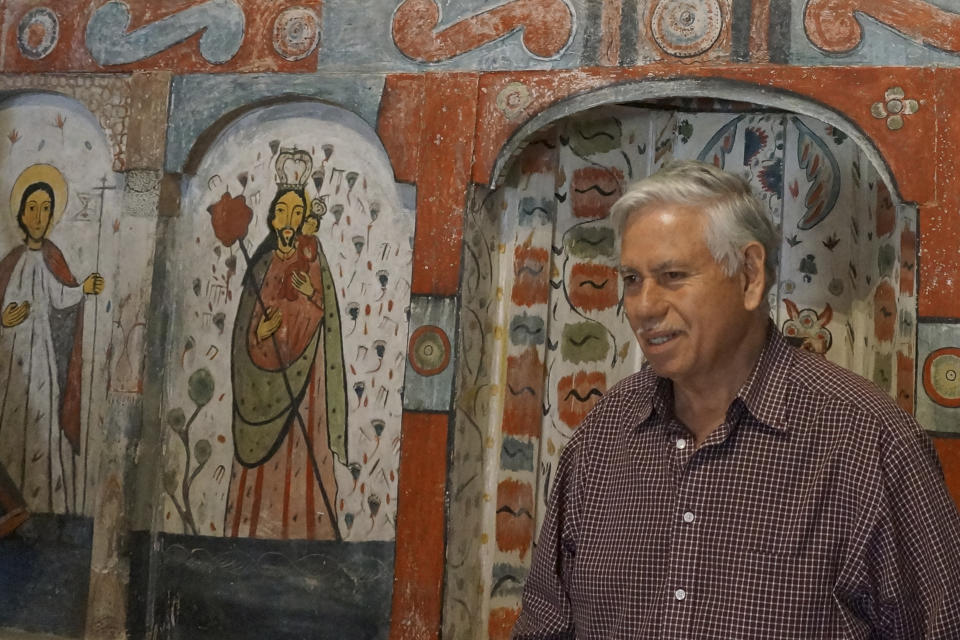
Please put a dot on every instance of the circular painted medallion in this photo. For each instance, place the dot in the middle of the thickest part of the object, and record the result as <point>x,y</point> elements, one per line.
<point>296,33</point>
<point>685,28</point>
<point>941,376</point>
<point>38,32</point>
<point>513,99</point>
<point>429,350</point>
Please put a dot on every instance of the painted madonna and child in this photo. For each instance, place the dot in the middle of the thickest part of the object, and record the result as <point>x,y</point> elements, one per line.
<point>41,337</point>
<point>289,387</point>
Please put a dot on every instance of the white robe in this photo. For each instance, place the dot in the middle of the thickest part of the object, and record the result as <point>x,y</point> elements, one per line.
<point>33,448</point>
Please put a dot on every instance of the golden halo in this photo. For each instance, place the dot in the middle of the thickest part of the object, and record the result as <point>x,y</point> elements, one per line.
<point>41,173</point>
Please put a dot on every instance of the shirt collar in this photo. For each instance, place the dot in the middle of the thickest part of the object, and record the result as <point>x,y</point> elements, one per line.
<point>764,394</point>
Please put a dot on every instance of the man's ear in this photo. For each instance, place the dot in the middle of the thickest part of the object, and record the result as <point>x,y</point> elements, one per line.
<point>754,276</point>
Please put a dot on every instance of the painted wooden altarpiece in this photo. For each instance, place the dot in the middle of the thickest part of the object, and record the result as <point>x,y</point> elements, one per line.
<point>302,300</point>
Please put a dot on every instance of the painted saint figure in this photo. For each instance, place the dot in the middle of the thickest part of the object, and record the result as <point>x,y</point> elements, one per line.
<point>40,351</point>
<point>289,389</point>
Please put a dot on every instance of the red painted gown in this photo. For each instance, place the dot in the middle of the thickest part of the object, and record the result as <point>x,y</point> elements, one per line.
<point>283,483</point>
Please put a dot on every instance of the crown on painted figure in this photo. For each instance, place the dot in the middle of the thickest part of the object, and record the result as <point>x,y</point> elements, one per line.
<point>293,168</point>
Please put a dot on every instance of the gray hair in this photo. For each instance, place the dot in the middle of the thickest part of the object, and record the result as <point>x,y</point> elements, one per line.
<point>734,215</point>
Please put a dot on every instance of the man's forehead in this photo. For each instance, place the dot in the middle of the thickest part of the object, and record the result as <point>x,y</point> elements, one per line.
<point>629,266</point>
<point>664,243</point>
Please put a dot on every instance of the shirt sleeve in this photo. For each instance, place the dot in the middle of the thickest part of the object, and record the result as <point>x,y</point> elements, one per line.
<point>913,557</point>
<point>545,612</point>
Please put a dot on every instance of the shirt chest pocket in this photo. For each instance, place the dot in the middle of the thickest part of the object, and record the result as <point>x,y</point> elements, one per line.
<point>775,520</point>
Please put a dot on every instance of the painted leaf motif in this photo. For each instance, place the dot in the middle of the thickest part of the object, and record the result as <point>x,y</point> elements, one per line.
<point>594,137</point>
<point>822,172</point>
<point>716,150</point>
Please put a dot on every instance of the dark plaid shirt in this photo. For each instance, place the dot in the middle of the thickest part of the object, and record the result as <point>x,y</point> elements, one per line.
<point>817,510</point>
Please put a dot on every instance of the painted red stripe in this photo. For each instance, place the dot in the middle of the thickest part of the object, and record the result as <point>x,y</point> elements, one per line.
<point>285,530</point>
<point>257,498</point>
<point>238,507</point>
<point>420,544</point>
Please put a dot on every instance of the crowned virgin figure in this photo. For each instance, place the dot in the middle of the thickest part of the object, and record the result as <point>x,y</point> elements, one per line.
<point>289,387</point>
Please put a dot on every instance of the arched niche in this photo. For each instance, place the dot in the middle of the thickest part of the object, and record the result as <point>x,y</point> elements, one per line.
<point>269,499</point>
<point>53,385</point>
<point>365,233</point>
<point>543,335</point>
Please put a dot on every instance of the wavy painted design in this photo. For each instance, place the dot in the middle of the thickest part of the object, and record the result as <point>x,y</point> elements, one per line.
<point>832,26</point>
<point>220,21</point>
<point>547,27</point>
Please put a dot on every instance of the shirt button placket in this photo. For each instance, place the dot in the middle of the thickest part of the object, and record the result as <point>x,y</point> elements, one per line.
<point>683,552</point>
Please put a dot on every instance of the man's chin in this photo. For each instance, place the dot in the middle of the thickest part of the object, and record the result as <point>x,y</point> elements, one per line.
<point>661,366</point>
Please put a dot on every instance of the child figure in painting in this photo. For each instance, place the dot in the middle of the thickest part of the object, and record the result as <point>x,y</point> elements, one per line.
<point>40,351</point>
<point>308,248</point>
<point>289,418</point>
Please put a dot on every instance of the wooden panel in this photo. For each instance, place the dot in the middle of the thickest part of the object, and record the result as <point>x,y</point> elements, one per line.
<point>146,139</point>
<point>421,540</point>
<point>400,123</point>
<point>949,450</point>
<point>938,224</point>
<point>446,153</point>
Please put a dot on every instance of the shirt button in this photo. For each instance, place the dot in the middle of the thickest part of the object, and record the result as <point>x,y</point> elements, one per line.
<point>688,517</point>
<point>679,594</point>
<point>681,443</point>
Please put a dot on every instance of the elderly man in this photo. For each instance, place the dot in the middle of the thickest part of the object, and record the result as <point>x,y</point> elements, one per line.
<point>737,487</point>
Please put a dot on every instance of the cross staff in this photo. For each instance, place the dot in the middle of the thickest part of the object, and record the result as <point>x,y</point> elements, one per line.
<point>103,188</point>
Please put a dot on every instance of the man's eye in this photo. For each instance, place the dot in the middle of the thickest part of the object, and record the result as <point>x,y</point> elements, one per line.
<point>673,275</point>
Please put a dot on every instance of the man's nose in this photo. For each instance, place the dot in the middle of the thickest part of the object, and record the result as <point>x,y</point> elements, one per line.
<point>647,302</point>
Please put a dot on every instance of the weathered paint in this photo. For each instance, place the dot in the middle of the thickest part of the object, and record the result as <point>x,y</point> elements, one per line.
<point>451,89</point>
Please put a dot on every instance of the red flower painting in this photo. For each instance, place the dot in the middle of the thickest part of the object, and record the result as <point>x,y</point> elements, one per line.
<point>230,217</point>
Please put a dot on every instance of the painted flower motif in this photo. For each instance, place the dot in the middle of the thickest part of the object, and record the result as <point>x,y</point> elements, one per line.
<point>771,177</point>
<point>513,99</point>
<point>754,141</point>
<point>230,217</point>
<point>894,107</point>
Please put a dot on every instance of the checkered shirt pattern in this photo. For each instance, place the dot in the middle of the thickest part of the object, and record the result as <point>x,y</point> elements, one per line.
<point>816,510</point>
